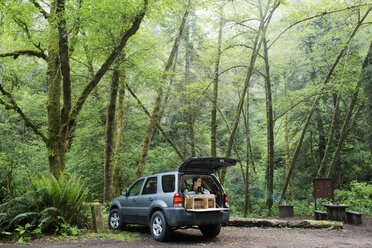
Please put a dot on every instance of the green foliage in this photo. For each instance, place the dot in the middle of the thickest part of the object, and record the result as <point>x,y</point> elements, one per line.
<point>48,206</point>
<point>24,233</point>
<point>301,58</point>
<point>358,195</point>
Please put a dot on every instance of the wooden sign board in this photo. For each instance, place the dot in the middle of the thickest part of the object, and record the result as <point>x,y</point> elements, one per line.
<point>323,188</point>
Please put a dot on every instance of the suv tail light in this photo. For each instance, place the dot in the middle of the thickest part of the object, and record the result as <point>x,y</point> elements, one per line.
<point>177,200</point>
<point>226,201</point>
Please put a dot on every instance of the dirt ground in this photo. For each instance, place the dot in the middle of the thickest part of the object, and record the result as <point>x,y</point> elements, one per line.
<point>350,236</point>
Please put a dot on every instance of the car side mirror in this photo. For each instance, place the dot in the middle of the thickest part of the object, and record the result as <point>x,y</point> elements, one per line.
<point>124,192</point>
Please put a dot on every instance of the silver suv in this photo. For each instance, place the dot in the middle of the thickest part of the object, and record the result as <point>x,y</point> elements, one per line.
<point>169,200</point>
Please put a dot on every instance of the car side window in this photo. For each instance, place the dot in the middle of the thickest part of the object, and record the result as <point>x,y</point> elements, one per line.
<point>135,189</point>
<point>150,186</point>
<point>167,183</point>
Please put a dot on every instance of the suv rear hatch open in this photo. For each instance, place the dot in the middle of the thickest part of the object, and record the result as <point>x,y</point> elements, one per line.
<point>212,198</point>
<point>206,165</point>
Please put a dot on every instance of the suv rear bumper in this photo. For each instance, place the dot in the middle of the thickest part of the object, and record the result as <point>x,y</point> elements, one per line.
<point>178,216</point>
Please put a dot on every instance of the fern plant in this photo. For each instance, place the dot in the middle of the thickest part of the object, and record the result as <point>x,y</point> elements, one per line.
<point>48,204</point>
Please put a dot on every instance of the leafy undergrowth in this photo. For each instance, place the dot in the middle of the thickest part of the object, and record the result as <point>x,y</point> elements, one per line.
<point>358,195</point>
<point>48,206</point>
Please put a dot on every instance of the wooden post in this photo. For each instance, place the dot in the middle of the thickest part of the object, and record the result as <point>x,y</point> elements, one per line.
<point>97,219</point>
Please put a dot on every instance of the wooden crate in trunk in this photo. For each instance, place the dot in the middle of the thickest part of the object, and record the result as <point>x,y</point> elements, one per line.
<point>200,203</point>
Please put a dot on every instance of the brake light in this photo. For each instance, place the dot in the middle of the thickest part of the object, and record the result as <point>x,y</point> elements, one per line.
<point>177,200</point>
<point>226,201</point>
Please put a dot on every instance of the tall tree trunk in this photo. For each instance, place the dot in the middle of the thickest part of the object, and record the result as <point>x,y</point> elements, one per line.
<point>367,87</point>
<point>315,161</point>
<point>241,101</point>
<point>58,64</point>
<point>365,75</point>
<point>66,80</point>
<point>109,141</point>
<point>270,129</point>
<point>320,128</point>
<point>215,87</point>
<point>192,132</point>
<point>235,146</point>
<point>330,137</point>
<point>154,116</point>
<point>307,121</point>
<point>247,202</point>
<point>256,47</point>
<point>54,145</point>
<point>189,111</point>
<point>116,183</point>
<point>287,156</point>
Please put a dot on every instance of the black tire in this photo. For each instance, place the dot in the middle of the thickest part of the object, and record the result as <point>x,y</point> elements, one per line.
<point>210,231</point>
<point>159,227</point>
<point>115,220</point>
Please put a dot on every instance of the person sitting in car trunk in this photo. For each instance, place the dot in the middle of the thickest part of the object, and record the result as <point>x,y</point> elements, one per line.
<point>197,187</point>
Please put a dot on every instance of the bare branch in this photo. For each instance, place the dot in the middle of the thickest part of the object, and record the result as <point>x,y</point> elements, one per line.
<point>15,54</point>
<point>205,90</point>
<point>243,45</point>
<point>7,106</point>
<point>25,28</point>
<point>13,105</point>
<point>297,103</point>
<point>252,3</point>
<point>244,25</point>
<point>105,66</point>
<point>235,146</point>
<point>263,75</point>
<point>76,27</point>
<point>234,67</point>
<point>38,6</point>
<point>237,35</point>
<point>268,18</point>
<point>312,17</point>
<point>165,134</point>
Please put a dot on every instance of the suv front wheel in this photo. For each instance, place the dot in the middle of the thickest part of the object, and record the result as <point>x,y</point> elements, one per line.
<point>210,231</point>
<point>159,227</point>
<point>115,220</point>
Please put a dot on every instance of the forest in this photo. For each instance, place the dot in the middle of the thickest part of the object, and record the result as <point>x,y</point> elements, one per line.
<point>97,93</point>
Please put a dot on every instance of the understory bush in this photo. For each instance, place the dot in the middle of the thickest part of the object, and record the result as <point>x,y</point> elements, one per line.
<point>358,195</point>
<point>48,206</point>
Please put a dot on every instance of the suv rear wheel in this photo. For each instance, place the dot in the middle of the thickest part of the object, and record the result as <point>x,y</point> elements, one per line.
<point>159,227</point>
<point>210,231</point>
<point>115,221</point>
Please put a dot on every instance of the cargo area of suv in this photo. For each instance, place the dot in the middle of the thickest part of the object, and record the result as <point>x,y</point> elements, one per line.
<point>165,201</point>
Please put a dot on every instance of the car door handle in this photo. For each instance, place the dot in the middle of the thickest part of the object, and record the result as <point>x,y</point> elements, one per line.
<point>150,199</point>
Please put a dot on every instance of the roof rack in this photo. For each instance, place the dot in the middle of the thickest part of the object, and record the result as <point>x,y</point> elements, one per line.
<point>164,171</point>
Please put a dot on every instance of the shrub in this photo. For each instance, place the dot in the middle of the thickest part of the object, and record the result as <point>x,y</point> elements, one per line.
<point>48,204</point>
<point>358,195</point>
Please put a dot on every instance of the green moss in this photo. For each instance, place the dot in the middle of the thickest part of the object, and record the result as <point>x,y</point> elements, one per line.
<point>116,235</point>
<point>122,236</point>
